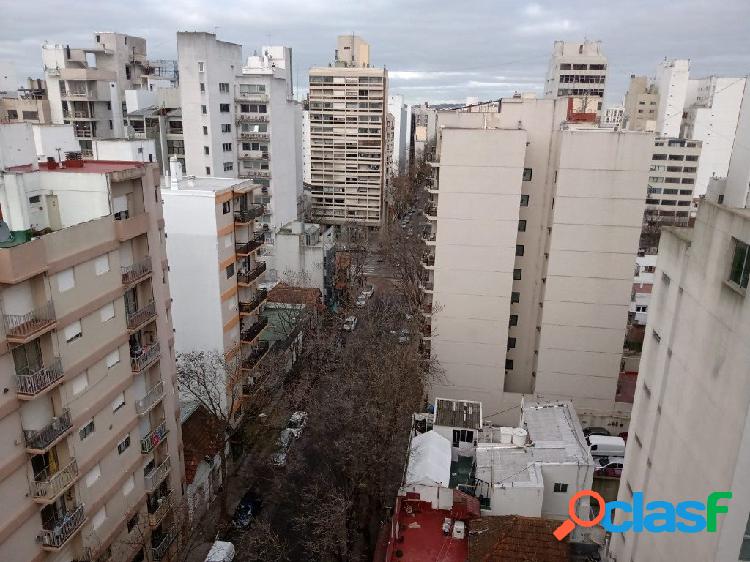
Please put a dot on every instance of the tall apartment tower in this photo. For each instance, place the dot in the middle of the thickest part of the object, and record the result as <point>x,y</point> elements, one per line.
<point>347,108</point>
<point>91,462</point>
<point>578,70</point>
<point>397,108</point>
<point>534,232</point>
<point>671,83</point>
<point>241,121</point>
<point>86,86</point>
<point>641,104</point>
<point>692,402</point>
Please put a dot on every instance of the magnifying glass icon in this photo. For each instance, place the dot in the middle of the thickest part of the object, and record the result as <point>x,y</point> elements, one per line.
<point>568,525</point>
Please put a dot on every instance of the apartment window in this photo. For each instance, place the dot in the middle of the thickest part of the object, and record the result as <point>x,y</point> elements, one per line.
<point>80,383</point>
<point>99,518</point>
<point>201,66</point>
<point>516,274</point>
<point>132,522</point>
<point>101,264</point>
<point>519,249</point>
<point>527,174</point>
<point>208,170</point>
<point>226,128</point>
<point>511,343</point>
<point>509,364</point>
<point>65,280</point>
<point>244,108</point>
<point>203,87</point>
<point>228,166</point>
<point>123,445</point>
<point>118,402</point>
<point>73,331</point>
<point>113,358</point>
<point>560,487</point>
<point>86,430</point>
<point>462,436</point>
<point>524,200</point>
<point>128,486</point>
<point>745,546</point>
<point>721,198</point>
<point>205,132</point>
<point>223,108</point>
<point>230,270</point>
<point>226,207</point>
<point>206,150</point>
<point>226,147</point>
<point>513,321</point>
<point>515,296</point>
<point>204,109</point>
<point>740,271</point>
<point>224,87</point>
<point>107,312</point>
<point>93,475</point>
<point>522,226</point>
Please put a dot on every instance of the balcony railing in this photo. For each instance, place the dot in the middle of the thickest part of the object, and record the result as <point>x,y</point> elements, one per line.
<point>46,487</point>
<point>164,506</point>
<point>39,440</point>
<point>78,115</point>
<point>249,306</point>
<point>154,437</point>
<point>61,529</point>
<point>157,475</point>
<point>32,384</point>
<point>141,316</point>
<point>245,248</point>
<point>147,357</point>
<point>248,173</point>
<point>252,117</point>
<point>428,236</point>
<point>428,260</point>
<point>248,277</point>
<point>136,271</point>
<point>249,334</point>
<point>255,135</point>
<point>254,155</point>
<point>255,355</point>
<point>430,211</point>
<point>427,285</point>
<point>251,96</point>
<point>152,398</point>
<point>246,215</point>
<point>21,328</point>
<point>160,551</point>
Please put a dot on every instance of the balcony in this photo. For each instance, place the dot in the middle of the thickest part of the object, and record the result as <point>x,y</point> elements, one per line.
<point>148,356</point>
<point>248,307</point>
<point>165,504</point>
<point>47,487</point>
<point>31,385</point>
<point>59,531</point>
<point>22,328</point>
<point>249,334</point>
<point>253,155</point>
<point>251,96</point>
<point>141,317</point>
<point>247,215</point>
<point>430,212</point>
<point>136,272</point>
<point>78,115</point>
<point>255,135</point>
<point>427,309</point>
<point>247,277</point>
<point>246,248</point>
<point>427,332</point>
<point>39,441</point>
<point>429,238</point>
<point>160,551</point>
<point>157,475</point>
<point>258,352</point>
<point>252,117</point>
<point>152,398</point>
<point>428,261</point>
<point>154,438</point>
<point>427,286</point>
<point>246,173</point>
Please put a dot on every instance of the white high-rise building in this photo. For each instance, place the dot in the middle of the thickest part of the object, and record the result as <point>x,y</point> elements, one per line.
<point>397,108</point>
<point>578,70</point>
<point>671,83</point>
<point>535,226</point>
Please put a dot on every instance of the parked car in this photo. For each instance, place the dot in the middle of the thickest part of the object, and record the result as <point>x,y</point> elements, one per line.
<point>361,301</point>
<point>297,422</point>
<point>350,323</point>
<point>247,509</point>
<point>221,551</point>
<point>606,446</point>
<point>611,467</point>
<point>283,443</point>
<point>595,431</point>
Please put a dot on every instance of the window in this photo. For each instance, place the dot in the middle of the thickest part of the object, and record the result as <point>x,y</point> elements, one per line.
<point>522,226</point>
<point>224,87</point>
<point>93,475</point>
<point>113,358</point>
<point>226,207</point>
<point>745,546</point>
<point>118,402</point>
<point>515,296</point>
<point>516,274</point>
<point>206,150</point>
<point>201,67</point>
<point>208,170</point>
<point>511,343</point>
<point>73,331</point>
<point>99,518</point>
<point>226,128</point>
<point>509,364</point>
<point>65,280</point>
<point>80,383</point>
<point>86,430</point>
<point>123,445</point>
<point>462,436</point>
<point>204,110</point>
<point>226,147</point>
<point>230,270</point>
<point>513,321</point>
<point>527,174</point>
<point>132,522</point>
<point>519,249</point>
<point>203,87</point>
<point>128,486</point>
<point>740,271</point>
<point>107,312</point>
<point>560,487</point>
<point>205,132</point>
<point>228,166</point>
<point>524,200</point>
<point>223,108</point>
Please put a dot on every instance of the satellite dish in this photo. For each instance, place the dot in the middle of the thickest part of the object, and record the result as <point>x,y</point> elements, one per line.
<point>5,234</point>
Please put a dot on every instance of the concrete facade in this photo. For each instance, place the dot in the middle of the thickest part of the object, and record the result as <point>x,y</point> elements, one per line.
<point>577,69</point>
<point>641,104</point>
<point>671,83</point>
<point>397,109</point>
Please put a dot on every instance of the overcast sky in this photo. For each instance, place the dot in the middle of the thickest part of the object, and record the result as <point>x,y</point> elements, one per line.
<point>435,50</point>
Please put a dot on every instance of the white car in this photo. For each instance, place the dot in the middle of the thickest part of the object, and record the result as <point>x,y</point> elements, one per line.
<point>361,301</point>
<point>297,422</point>
<point>350,323</point>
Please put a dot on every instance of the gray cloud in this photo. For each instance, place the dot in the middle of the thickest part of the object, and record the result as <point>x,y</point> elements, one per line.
<point>436,50</point>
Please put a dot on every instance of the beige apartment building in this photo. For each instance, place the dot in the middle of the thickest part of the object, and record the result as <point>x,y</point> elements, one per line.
<point>91,461</point>
<point>347,110</point>
<point>641,104</point>
<point>534,231</point>
<point>577,69</point>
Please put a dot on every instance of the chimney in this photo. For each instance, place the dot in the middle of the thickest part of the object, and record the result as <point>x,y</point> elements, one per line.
<point>175,172</point>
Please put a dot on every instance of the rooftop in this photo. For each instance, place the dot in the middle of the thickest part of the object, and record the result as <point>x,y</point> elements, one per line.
<point>458,413</point>
<point>286,294</point>
<point>512,538</point>
<point>205,184</point>
<point>555,431</point>
<point>85,167</point>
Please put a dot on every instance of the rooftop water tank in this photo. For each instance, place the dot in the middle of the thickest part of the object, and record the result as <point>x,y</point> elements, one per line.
<point>519,436</point>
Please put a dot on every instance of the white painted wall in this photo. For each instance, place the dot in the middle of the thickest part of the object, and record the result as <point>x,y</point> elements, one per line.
<point>8,79</point>
<point>49,138</point>
<point>671,83</point>
<point>136,150</point>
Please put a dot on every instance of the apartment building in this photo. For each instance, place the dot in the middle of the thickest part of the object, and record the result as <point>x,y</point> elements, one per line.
<point>86,86</point>
<point>241,121</point>
<point>613,116</point>
<point>690,416</point>
<point>534,232</point>
<point>577,69</point>
<point>641,104</point>
<point>347,109</point>
<point>28,104</point>
<point>91,447</point>
<point>672,78</point>
<point>398,110</point>
<point>422,131</point>
<point>213,243</point>
<point>643,284</point>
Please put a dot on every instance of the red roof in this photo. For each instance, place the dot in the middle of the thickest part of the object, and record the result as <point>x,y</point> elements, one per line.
<point>512,538</point>
<point>200,440</point>
<point>88,167</point>
<point>283,293</point>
